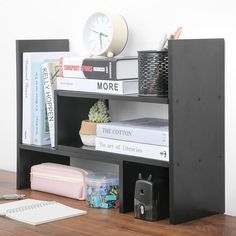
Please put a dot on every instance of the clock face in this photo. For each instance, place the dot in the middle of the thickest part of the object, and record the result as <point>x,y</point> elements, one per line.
<point>98,33</point>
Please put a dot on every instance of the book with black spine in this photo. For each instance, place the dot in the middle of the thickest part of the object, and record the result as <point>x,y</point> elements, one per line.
<point>116,68</point>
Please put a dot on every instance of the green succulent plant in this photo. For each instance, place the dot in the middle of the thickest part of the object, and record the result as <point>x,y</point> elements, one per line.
<point>99,113</point>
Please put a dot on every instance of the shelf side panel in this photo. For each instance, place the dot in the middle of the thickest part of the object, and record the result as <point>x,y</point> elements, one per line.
<point>196,119</point>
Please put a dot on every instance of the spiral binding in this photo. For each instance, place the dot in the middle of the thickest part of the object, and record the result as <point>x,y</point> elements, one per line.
<point>30,207</point>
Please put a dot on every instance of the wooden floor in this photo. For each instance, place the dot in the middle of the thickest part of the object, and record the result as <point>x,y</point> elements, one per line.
<point>106,222</point>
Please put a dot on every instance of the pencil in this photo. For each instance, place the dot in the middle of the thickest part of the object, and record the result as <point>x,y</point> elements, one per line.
<point>177,33</point>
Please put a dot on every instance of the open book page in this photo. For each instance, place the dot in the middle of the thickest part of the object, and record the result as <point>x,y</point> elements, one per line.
<point>40,212</point>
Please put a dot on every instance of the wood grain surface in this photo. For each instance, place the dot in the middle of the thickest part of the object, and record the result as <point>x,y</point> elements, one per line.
<point>106,222</point>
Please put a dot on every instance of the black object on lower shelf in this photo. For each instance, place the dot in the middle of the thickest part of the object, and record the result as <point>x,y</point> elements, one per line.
<point>151,198</point>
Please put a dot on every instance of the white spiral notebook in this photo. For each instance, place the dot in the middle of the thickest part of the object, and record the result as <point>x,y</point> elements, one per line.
<point>37,212</point>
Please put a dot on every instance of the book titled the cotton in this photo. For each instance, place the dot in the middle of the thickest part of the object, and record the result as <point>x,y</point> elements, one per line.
<point>144,130</point>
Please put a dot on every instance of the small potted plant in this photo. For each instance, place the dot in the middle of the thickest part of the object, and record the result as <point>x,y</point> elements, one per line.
<point>98,113</point>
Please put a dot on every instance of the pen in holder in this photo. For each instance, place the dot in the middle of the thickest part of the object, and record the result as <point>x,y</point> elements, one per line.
<point>153,73</point>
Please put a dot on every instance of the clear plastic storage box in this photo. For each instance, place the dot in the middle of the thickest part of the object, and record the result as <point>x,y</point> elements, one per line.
<point>102,190</point>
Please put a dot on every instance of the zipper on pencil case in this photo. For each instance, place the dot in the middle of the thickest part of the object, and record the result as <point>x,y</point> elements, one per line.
<point>56,177</point>
<point>68,171</point>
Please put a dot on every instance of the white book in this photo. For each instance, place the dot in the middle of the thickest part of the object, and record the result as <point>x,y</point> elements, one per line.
<point>133,149</point>
<point>143,130</point>
<point>27,105</point>
<point>29,58</point>
<point>116,87</point>
<point>49,73</point>
<point>37,212</point>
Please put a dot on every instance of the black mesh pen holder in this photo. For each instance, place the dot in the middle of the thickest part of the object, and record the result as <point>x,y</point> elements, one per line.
<point>153,73</point>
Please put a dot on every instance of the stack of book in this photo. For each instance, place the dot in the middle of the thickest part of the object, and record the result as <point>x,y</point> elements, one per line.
<point>144,137</point>
<point>39,73</point>
<point>118,76</point>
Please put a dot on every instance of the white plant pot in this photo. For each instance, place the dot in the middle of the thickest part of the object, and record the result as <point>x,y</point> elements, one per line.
<point>88,139</point>
<point>88,132</point>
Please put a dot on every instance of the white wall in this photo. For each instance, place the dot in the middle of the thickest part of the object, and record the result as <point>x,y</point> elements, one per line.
<point>147,20</point>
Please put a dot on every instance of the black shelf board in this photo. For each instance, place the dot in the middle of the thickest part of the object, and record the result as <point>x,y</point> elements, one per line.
<point>130,97</point>
<point>90,153</point>
<point>44,149</point>
<point>85,152</point>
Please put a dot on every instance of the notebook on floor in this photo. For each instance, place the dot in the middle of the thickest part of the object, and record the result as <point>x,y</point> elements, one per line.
<point>37,212</point>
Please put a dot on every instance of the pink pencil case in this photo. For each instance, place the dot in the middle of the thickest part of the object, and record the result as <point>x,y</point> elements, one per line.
<point>59,179</point>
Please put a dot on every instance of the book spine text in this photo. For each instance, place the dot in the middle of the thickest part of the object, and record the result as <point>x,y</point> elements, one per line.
<point>98,86</point>
<point>133,134</point>
<point>40,124</point>
<point>89,68</point>
<point>27,116</point>
<point>49,100</point>
<point>134,149</point>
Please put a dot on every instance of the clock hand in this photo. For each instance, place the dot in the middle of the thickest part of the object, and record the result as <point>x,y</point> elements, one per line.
<point>94,31</point>
<point>105,35</point>
<point>100,38</point>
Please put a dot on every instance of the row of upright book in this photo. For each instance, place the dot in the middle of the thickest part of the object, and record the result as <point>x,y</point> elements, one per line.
<point>43,72</point>
<point>39,75</point>
<point>143,137</point>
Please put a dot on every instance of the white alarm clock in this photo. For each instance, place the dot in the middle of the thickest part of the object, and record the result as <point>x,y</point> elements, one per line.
<point>105,34</point>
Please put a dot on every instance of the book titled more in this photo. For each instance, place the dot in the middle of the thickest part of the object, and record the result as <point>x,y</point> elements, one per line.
<point>118,87</point>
